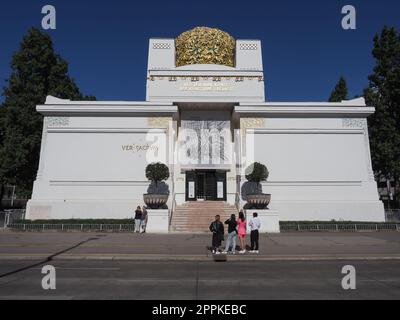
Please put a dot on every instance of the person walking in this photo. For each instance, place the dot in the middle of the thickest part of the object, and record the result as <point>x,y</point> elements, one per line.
<point>144,218</point>
<point>255,225</point>
<point>138,219</point>
<point>242,232</point>
<point>232,232</point>
<point>217,229</point>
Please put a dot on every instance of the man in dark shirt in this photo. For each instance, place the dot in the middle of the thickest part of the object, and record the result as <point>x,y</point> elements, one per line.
<point>217,229</point>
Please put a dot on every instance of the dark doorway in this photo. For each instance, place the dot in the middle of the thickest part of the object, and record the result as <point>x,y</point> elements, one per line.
<point>206,185</point>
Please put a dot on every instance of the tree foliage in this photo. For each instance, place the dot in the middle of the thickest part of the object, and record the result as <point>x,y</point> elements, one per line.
<point>256,172</point>
<point>36,71</point>
<point>157,172</point>
<point>340,92</point>
<point>384,94</point>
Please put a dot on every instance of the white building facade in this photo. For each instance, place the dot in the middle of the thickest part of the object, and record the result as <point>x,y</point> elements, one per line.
<point>207,122</point>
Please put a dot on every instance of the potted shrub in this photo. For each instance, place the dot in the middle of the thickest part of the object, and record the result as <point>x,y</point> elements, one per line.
<point>255,174</point>
<point>158,193</point>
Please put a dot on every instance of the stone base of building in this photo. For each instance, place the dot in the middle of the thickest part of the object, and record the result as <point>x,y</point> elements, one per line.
<point>289,210</point>
<point>158,220</point>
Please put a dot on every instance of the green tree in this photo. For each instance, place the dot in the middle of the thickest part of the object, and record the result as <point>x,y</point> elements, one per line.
<point>384,94</point>
<point>157,172</point>
<point>340,92</point>
<point>1,143</point>
<point>256,172</point>
<point>37,71</point>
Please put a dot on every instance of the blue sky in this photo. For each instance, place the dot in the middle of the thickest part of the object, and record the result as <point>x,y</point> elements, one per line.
<point>305,50</point>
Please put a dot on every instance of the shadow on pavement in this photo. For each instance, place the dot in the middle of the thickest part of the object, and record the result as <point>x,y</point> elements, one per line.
<point>48,259</point>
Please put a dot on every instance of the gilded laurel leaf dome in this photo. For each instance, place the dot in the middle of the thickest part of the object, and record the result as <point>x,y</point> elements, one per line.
<point>203,45</point>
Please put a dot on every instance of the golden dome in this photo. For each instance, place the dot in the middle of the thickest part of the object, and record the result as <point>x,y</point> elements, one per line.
<point>204,45</point>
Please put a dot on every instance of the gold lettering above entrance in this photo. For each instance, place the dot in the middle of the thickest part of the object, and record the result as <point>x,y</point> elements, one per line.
<point>205,86</point>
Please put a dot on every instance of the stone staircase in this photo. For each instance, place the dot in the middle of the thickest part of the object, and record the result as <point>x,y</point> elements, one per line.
<point>196,216</point>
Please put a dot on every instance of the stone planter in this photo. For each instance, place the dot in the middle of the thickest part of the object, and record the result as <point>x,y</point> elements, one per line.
<point>157,220</point>
<point>155,201</point>
<point>258,201</point>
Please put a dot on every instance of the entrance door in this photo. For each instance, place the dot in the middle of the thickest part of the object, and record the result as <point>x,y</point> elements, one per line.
<point>201,186</point>
<point>209,185</point>
<point>206,185</point>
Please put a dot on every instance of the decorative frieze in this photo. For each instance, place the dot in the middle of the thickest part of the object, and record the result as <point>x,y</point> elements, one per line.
<point>251,123</point>
<point>354,123</point>
<point>248,46</point>
<point>194,78</point>
<point>159,122</point>
<point>161,46</point>
<point>57,121</point>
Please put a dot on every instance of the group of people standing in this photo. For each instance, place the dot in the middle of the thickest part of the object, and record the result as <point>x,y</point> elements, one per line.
<point>140,219</point>
<point>236,228</point>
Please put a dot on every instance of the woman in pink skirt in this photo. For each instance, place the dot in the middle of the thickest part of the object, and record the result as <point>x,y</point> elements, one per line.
<point>242,232</point>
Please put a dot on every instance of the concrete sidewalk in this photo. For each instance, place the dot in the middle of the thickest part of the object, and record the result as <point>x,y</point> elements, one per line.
<point>193,247</point>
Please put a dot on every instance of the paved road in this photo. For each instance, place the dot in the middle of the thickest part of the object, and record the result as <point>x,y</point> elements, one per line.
<point>135,246</point>
<point>200,280</point>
